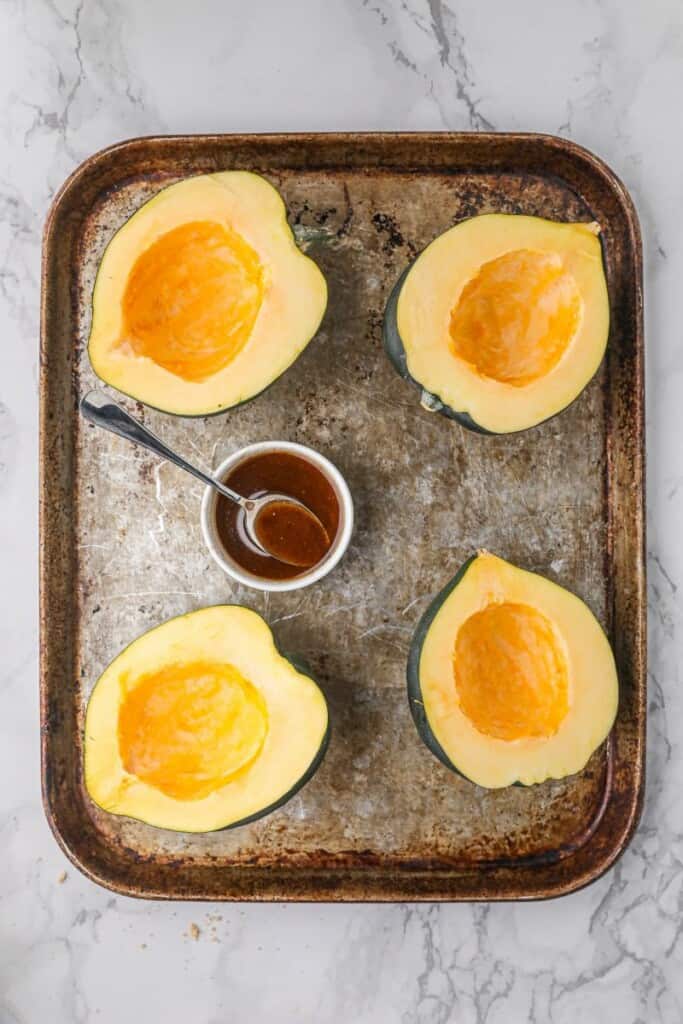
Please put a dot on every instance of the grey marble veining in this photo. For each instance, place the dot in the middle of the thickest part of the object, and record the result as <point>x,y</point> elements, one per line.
<point>77,76</point>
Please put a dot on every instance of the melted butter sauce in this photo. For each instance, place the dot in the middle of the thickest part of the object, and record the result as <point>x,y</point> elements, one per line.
<point>290,532</point>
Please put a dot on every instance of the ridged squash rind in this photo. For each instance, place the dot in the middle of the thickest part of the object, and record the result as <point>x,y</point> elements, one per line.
<point>415,699</point>
<point>393,346</point>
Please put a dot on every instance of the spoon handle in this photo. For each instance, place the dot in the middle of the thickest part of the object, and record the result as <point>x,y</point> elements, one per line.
<point>97,407</point>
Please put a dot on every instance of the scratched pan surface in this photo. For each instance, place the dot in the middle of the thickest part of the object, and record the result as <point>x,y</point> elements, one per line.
<point>122,551</point>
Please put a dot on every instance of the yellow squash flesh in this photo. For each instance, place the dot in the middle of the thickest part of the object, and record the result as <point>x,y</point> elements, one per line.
<point>516,676</point>
<point>202,298</point>
<point>505,318</point>
<point>201,724</point>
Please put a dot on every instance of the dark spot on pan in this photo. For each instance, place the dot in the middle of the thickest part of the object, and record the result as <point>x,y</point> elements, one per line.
<point>387,226</point>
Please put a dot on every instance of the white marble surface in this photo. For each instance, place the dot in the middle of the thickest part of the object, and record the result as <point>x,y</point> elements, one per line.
<point>77,76</point>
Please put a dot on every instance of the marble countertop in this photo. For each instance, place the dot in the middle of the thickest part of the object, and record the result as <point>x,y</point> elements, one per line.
<point>75,76</point>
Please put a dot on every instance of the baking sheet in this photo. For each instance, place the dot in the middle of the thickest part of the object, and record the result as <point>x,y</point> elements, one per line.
<point>122,548</point>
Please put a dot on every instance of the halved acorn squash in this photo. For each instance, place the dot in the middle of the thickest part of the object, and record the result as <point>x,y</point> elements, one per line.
<point>510,676</point>
<point>201,724</point>
<point>202,298</point>
<point>501,321</point>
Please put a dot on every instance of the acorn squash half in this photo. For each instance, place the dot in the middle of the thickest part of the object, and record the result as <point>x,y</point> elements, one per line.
<point>201,724</point>
<point>202,298</point>
<point>501,321</point>
<point>510,677</point>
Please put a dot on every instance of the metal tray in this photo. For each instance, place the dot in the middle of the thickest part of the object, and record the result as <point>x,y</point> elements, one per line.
<point>121,547</point>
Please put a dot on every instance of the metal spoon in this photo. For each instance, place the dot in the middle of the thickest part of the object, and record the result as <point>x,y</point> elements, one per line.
<point>99,409</point>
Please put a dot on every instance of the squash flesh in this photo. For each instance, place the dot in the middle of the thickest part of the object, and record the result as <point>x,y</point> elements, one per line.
<point>192,298</point>
<point>516,317</point>
<point>510,672</point>
<point>592,685</point>
<point>293,302</point>
<point>293,743</point>
<point>187,729</point>
<point>540,385</point>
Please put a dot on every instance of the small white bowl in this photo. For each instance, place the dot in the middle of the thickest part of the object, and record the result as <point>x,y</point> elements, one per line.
<point>339,545</point>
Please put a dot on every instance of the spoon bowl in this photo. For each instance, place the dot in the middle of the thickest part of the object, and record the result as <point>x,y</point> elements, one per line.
<point>286,528</point>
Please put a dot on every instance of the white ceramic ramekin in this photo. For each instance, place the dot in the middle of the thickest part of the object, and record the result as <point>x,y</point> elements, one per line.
<point>339,545</point>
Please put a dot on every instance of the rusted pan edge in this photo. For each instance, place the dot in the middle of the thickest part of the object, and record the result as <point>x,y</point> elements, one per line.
<point>354,877</point>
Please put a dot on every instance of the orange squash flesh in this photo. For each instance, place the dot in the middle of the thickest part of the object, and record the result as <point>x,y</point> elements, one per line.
<point>188,729</point>
<point>516,317</point>
<point>192,298</point>
<point>510,672</point>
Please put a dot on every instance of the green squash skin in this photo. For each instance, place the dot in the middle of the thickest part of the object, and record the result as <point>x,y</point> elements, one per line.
<point>197,415</point>
<point>301,666</point>
<point>216,412</point>
<point>304,669</point>
<point>393,346</point>
<point>415,701</point>
<point>306,777</point>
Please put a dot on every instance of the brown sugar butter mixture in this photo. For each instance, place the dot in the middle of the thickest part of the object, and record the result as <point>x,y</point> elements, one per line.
<point>282,528</point>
